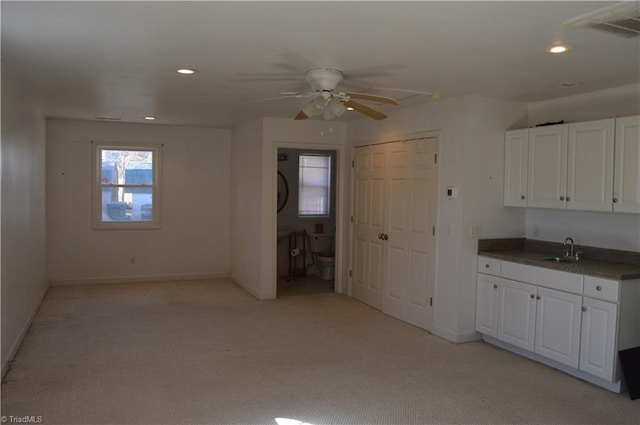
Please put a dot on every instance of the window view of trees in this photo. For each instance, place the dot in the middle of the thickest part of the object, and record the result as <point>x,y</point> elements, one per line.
<point>127,185</point>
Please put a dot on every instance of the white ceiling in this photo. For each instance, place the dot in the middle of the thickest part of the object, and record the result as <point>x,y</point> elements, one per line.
<point>119,59</point>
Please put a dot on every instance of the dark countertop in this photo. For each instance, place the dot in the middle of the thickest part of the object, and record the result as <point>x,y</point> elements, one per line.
<point>597,264</point>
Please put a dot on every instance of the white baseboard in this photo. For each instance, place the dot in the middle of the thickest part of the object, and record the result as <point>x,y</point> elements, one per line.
<point>133,279</point>
<point>22,334</point>
<point>454,336</point>
<point>243,285</point>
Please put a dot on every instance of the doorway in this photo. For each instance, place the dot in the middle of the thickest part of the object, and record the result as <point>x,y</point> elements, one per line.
<point>306,220</point>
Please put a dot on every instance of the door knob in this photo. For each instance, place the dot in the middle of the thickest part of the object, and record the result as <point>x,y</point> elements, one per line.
<point>380,236</point>
<point>532,296</point>
<point>568,198</point>
<point>495,286</point>
<point>385,237</point>
<point>522,197</point>
<point>562,198</point>
<point>615,200</point>
<point>584,308</point>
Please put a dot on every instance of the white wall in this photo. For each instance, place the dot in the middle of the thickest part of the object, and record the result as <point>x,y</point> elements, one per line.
<point>608,230</point>
<point>195,181</point>
<point>616,102</point>
<point>254,187</point>
<point>471,137</point>
<point>246,205</point>
<point>23,266</point>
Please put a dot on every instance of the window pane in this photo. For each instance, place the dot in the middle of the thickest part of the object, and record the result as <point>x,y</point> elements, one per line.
<point>127,204</point>
<point>128,169</point>
<point>314,185</point>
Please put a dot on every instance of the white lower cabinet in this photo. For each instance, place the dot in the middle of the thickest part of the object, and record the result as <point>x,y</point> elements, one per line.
<point>597,346</point>
<point>487,304</point>
<point>558,316</point>
<point>541,320</point>
<point>517,313</point>
<point>572,322</point>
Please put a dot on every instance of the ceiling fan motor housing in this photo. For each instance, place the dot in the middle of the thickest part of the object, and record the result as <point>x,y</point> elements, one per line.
<point>324,78</point>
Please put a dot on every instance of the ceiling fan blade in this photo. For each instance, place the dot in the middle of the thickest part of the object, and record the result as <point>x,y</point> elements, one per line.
<point>374,98</point>
<point>301,116</point>
<point>272,98</point>
<point>426,93</point>
<point>364,109</point>
<point>299,93</point>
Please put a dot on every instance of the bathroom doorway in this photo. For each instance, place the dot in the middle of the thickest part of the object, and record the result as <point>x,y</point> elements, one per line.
<point>306,220</point>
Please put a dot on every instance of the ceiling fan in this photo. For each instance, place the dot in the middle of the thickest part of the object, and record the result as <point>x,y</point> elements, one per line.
<point>329,103</point>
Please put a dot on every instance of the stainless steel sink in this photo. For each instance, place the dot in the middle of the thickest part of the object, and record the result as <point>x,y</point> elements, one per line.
<point>561,259</point>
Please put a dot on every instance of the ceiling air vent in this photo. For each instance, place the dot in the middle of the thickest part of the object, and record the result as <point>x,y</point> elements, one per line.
<point>621,19</point>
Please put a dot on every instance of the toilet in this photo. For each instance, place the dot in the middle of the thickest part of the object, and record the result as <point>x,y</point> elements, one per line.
<point>321,247</point>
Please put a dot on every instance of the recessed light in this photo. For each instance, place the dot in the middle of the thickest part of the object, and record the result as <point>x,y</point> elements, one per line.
<point>186,71</point>
<point>149,117</point>
<point>559,48</point>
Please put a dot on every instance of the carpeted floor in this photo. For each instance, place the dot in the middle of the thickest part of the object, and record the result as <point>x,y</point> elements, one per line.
<point>206,352</point>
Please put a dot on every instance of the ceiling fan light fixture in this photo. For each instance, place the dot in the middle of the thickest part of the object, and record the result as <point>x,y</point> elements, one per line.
<point>336,108</point>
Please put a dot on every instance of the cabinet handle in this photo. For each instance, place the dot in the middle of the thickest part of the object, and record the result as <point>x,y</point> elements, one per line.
<point>495,286</point>
<point>522,197</point>
<point>584,308</point>
<point>598,288</point>
<point>562,198</point>
<point>379,235</point>
<point>538,297</point>
<point>568,198</point>
<point>615,200</point>
<point>486,266</point>
<point>532,296</point>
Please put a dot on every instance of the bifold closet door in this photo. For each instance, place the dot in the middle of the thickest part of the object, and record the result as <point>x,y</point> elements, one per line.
<point>368,222</point>
<point>394,215</point>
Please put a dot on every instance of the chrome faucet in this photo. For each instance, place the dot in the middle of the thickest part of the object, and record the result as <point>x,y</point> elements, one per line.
<point>568,252</point>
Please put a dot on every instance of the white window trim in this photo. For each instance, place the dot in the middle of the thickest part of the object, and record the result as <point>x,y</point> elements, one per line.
<point>96,186</point>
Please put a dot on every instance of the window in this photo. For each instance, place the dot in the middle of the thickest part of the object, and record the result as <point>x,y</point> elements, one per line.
<point>314,185</point>
<point>127,187</point>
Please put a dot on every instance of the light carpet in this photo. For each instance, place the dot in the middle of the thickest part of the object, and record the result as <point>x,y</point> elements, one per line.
<point>206,352</point>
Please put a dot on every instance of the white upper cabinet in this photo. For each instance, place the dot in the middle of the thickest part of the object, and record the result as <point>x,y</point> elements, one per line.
<point>515,169</point>
<point>590,166</point>
<point>547,166</point>
<point>626,188</point>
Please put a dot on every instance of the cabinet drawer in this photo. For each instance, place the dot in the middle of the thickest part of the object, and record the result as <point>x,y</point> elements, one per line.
<point>554,279</point>
<point>603,289</point>
<point>489,266</point>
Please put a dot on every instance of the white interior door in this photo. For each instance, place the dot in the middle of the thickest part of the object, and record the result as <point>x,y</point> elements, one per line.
<point>410,244</point>
<point>368,224</point>
<point>395,188</point>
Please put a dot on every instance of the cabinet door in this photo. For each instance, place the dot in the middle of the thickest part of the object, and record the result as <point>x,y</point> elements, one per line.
<point>558,316</point>
<point>626,188</point>
<point>487,304</point>
<point>516,147</point>
<point>590,166</point>
<point>597,347</point>
<point>516,313</point>
<point>547,176</point>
